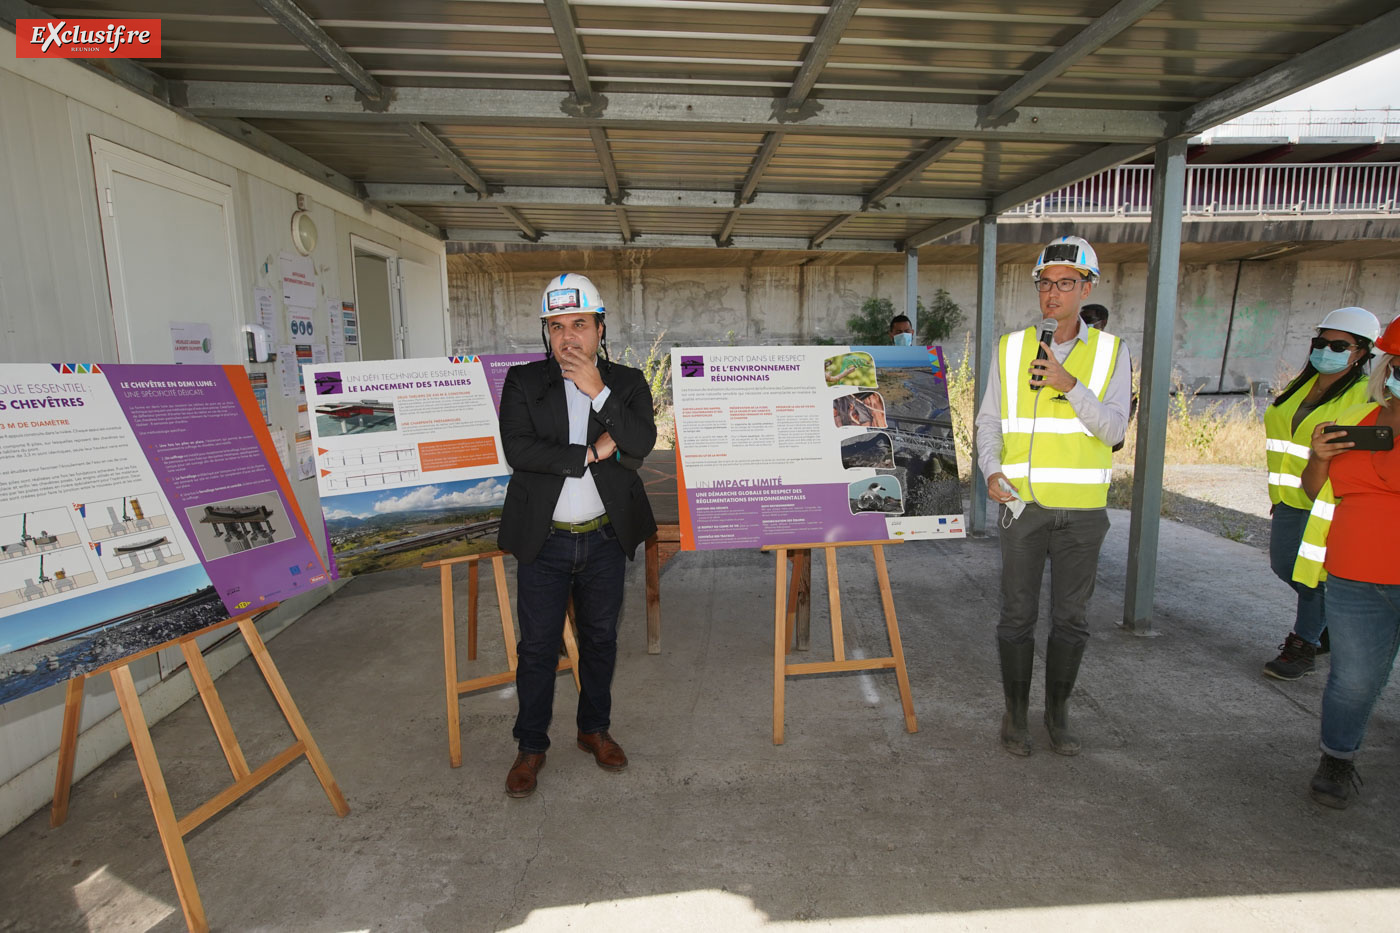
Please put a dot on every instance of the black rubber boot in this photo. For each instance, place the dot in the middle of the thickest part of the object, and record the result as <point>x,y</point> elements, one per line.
<point>1061,669</point>
<point>1335,781</point>
<point>1016,661</point>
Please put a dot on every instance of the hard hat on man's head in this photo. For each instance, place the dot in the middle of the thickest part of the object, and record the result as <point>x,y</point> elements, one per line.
<point>1071,251</point>
<point>1356,321</point>
<point>571,293</point>
<point>1389,341</point>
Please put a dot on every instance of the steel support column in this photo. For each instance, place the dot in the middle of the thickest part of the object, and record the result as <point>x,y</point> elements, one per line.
<point>984,336</point>
<point>1159,328</point>
<point>911,287</point>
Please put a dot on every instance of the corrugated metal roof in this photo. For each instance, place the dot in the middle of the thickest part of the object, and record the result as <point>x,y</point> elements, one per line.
<point>459,106</point>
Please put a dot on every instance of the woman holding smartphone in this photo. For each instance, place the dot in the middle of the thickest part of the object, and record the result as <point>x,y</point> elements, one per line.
<point>1333,380</point>
<point>1349,543</point>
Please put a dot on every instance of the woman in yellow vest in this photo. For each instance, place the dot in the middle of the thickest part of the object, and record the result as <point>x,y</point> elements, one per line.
<point>1333,380</point>
<point>1350,543</point>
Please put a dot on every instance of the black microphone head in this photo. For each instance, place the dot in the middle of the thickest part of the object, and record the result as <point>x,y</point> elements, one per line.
<point>1047,329</point>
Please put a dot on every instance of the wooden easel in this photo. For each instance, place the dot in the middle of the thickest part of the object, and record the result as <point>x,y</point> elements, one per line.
<point>173,830</point>
<point>786,611</point>
<point>455,687</point>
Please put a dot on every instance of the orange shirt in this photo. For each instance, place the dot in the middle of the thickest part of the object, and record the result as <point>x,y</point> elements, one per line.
<point>1362,543</point>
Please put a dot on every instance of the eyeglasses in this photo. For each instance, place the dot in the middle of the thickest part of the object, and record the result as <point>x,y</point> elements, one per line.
<point>1064,285</point>
<point>1336,346</point>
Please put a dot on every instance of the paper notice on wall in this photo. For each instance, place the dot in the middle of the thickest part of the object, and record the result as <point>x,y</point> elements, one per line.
<point>191,343</point>
<point>287,369</point>
<point>259,383</point>
<point>303,419</point>
<point>304,358</point>
<point>279,441</point>
<point>306,460</point>
<point>300,324</point>
<point>337,351</point>
<point>337,319</point>
<point>351,323</point>
<point>319,354</point>
<point>267,309</point>
<point>298,281</point>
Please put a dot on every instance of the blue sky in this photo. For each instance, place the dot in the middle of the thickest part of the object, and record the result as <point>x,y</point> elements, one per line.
<point>33,625</point>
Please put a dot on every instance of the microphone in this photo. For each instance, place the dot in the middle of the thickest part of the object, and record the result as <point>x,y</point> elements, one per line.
<point>1043,335</point>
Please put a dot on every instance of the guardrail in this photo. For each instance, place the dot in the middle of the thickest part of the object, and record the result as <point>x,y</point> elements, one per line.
<point>1293,190</point>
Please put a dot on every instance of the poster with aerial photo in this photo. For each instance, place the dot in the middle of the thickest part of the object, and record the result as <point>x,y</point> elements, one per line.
<point>408,461</point>
<point>792,445</point>
<point>105,471</point>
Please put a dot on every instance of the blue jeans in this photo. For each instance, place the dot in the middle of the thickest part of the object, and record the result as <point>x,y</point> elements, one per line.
<point>1365,627</point>
<point>1285,534</point>
<point>590,567</point>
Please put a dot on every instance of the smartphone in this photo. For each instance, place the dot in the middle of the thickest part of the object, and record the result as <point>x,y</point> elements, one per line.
<point>1367,436</point>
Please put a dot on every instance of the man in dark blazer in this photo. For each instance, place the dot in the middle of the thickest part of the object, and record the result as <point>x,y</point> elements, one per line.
<point>574,428</point>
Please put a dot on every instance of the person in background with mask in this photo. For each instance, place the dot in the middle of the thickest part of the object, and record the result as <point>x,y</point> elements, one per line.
<point>1094,315</point>
<point>1045,429</point>
<point>1350,544</point>
<point>1332,380</point>
<point>901,331</point>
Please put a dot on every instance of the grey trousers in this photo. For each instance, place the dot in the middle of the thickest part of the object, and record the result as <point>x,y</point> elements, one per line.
<point>1071,538</point>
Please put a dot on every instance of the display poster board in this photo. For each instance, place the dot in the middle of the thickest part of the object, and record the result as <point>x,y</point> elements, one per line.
<point>796,445</point>
<point>138,503</point>
<point>408,459</point>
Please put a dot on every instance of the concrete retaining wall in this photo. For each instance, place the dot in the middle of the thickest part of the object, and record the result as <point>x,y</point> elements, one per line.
<point>1264,311</point>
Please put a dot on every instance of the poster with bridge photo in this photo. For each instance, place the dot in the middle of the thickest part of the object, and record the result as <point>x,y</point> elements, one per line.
<point>797,445</point>
<point>137,504</point>
<point>408,460</point>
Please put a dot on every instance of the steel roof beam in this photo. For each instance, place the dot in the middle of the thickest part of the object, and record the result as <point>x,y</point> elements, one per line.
<point>701,112</point>
<point>294,19</point>
<point>567,36</point>
<point>929,156</point>
<point>673,241</point>
<point>274,148</point>
<point>825,232</point>
<point>1085,43</point>
<point>452,160</point>
<point>673,198</point>
<point>765,154</point>
<point>524,226</point>
<point>838,15</point>
<point>1352,48</point>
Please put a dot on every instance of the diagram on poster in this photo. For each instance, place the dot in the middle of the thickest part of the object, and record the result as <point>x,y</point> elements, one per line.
<point>105,475</point>
<point>793,445</point>
<point>408,460</point>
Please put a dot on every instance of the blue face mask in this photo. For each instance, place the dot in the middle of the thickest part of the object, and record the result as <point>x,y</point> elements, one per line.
<point>1328,361</point>
<point>1392,383</point>
<point>905,339</point>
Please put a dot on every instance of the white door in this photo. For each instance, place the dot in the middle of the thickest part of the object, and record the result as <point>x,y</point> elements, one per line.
<point>422,314</point>
<point>169,241</point>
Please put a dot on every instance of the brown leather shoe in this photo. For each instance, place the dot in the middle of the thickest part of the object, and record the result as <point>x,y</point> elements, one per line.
<point>605,751</point>
<point>520,782</point>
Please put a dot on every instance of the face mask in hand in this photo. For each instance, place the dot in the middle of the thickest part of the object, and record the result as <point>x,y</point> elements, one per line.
<point>904,340</point>
<point>1328,361</point>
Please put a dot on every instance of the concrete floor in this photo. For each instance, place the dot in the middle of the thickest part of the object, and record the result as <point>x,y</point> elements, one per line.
<point>1188,808</point>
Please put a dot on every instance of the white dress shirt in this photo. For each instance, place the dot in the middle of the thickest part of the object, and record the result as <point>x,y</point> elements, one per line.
<point>579,500</point>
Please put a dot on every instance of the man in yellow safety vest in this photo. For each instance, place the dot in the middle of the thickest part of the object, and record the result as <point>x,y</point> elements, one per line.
<point>1056,403</point>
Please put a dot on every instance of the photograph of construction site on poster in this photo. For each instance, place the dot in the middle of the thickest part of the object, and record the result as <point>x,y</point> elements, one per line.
<point>793,445</point>
<point>99,553</point>
<point>408,461</point>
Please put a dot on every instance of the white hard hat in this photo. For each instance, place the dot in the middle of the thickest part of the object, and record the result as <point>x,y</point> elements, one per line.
<point>1356,321</point>
<point>570,293</point>
<point>1068,251</point>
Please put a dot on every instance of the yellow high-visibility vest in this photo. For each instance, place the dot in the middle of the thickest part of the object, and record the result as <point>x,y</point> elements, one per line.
<point>1312,553</point>
<point>1046,452</point>
<point>1286,450</point>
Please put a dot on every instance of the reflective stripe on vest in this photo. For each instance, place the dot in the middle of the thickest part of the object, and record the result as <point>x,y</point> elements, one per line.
<point>1047,454</point>
<point>1309,569</point>
<point>1286,450</point>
